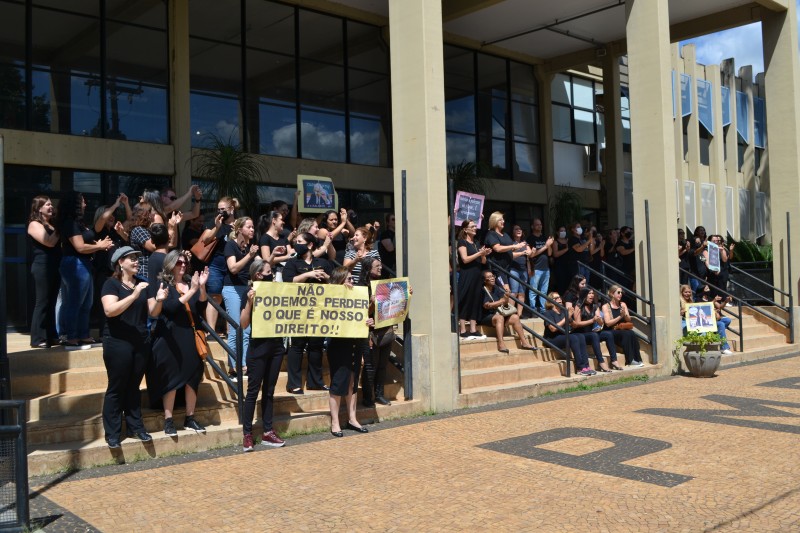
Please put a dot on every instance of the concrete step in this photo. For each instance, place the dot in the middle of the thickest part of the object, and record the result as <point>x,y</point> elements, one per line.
<point>86,453</point>
<point>488,359</point>
<point>501,375</point>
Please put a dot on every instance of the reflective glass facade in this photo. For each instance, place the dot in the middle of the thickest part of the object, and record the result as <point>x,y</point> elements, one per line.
<point>70,67</point>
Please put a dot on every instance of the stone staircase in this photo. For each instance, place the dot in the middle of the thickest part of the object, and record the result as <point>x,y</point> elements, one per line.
<point>65,390</point>
<point>488,376</point>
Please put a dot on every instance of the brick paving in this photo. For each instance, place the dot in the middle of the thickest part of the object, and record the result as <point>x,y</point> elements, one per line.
<point>661,456</point>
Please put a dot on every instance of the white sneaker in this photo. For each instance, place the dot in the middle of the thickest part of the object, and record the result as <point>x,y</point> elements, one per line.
<point>480,337</point>
<point>727,352</point>
<point>637,364</point>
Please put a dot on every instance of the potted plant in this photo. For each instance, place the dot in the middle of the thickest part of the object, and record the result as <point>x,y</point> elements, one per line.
<point>701,352</point>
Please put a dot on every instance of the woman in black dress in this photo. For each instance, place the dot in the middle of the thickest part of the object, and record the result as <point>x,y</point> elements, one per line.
<point>176,363</point>
<point>264,359</point>
<point>45,259</point>
<point>345,365</point>
<point>560,260</point>
<point>126,346</point>
<point>615,312</point>
<point>471,260</point>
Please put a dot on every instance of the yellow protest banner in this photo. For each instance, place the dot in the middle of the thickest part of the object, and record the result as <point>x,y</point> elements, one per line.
<point>392,298</point>
<point>309,310</point>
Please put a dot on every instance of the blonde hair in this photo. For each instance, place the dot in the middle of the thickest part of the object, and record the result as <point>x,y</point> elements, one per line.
<point>612,290</point>
<point>494,218</point>
<point>548,304</point>
<point>683,287</point>
<point>237,227</point>
<point>233,201</point>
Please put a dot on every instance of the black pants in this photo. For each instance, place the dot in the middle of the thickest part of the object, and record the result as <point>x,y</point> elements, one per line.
<point>295,367</point>
<point>125,363</point>
<point>375,361</point>
<point>629,342</point>
<point>46,281</point>
<point>263,368</point>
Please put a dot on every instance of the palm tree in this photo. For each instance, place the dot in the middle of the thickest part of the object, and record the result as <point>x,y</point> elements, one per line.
<point>470,177</point>
<point>231,171</point>
<point>565,207</point>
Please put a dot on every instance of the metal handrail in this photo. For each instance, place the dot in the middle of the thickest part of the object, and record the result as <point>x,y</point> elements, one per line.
<point>738,270</point>
<point>565,330</point>
<point>238,387</point>
<point>615,269</point>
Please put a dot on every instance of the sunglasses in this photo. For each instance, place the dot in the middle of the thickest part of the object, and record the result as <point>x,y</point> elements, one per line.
<point>180,262</point>
<point>172,198</point>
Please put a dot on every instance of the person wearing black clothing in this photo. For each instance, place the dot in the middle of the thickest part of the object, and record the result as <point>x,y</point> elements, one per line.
<point>189,237</point>
<point>697,259</point>
<point>519,267</point>
<point>386,244</point>
<point>126,347</point>
<point>539,264</point>
<point>160,239</point>
<point>598,255</point>
<point>305,268</point>
<point>615,312</point>
<point>336,228</point>
<point>494,297</point>
<point>176,363</point>
<point>718,280</point>
<point>273,245</point>
<point>684,257</point>
<point>45,259</point>
<point>561,269</point>
<point>471,260</point>
<point>217,231</point>
<point>106,225</point>
<point>575,286</point>
<point>78,241</point>
<point>240,250</point>
<point>627,251</point>
<point>558,317</point>
<point>580,249</point>
<point>264,359</point>
<point>588,321</point>
<point>502,247</point>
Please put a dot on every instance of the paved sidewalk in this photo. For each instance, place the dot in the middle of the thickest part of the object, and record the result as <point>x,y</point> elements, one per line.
<point>678,454</point>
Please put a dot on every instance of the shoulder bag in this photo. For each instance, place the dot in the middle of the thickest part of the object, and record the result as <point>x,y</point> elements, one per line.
<point>200,342</point>
<point>505,309</point>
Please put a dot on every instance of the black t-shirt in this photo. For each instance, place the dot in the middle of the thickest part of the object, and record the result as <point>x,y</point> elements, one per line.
<point>71,228</point>
<point>154,267</point>
<point>222,235</point>
<point>628,261</point>
<point>503,259</point>
<point>44,254</point>
<point>584,256</point>
<point>131,325</point>
<point>387,258</point>
<point>497,294</point>
<point>552,315</point>
<point>541,261</point>
<point>272,242</point>
<point>102,258</point>
<point>297,266</point>
<point>187,237</point>
<point>232,250</point>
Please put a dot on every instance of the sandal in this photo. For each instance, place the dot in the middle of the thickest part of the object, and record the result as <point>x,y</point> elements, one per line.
<point>615,366</point>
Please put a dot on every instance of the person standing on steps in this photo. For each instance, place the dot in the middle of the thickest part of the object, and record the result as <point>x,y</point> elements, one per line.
<point>126,347</point>
<point>45,258</point>
<point>263,361</point>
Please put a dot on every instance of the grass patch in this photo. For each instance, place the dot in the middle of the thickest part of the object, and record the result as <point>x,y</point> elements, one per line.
<point>591,386</point>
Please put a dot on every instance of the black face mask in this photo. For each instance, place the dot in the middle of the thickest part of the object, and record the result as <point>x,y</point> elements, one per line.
<point>267,278</point>
<point>628,235</point>
<point>301,249</point>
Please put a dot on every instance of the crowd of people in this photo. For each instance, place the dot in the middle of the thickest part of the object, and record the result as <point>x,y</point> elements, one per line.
<point>497,275</point>
<point>135,267</point>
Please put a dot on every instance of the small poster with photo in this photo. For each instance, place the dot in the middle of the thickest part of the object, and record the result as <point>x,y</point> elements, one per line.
<point>317,194</point>
<point>468,207</point>
<point>713,257</point>
<point>392,298</point>
<point>701,317</point>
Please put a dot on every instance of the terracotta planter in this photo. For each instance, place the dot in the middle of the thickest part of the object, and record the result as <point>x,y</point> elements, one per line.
<point>705,365</point>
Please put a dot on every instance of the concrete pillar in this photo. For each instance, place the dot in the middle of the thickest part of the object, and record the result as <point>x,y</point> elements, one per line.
<point>727,73</point>
<point>419,149</point>
<point>653,147</point>
<point>614,162</point>
<point>782,80</point>
<point>716,150</point>
<point>693,133</point>
<point>179,110</point>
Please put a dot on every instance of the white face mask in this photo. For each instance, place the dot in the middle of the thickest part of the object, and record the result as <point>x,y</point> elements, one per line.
<point>562,234</point>
<point>579,231</point>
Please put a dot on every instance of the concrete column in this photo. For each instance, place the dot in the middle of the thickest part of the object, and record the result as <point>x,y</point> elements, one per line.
<point>782,80</point>
<point>727,73</point>
<point>614,163</point>
<point>693,133</point>
<point>716,150</point>
<point>545,80</point>
<point>648,39</point>
<point>419,149</point>
<point>179,112</point>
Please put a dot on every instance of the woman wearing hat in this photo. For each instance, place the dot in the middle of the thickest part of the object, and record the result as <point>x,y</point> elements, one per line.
<point>126,347</point>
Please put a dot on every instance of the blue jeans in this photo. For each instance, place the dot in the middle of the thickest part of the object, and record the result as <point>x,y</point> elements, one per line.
<point>232,296</point>
<point>541,282</point>
<point>515,286</point>
<point>722,324</point>
<point>76,305</point>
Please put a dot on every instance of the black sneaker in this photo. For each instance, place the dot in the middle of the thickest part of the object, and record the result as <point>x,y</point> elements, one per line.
<point>191,423</point>
<point>142,435</point>
<point>169,428</point>
<point>113,443</point>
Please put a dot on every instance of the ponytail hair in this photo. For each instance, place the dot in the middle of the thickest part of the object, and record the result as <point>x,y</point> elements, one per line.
<point>237,227</point>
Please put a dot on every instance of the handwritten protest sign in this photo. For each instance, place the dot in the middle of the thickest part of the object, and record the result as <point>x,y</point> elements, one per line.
<point>713,257</point>
<point>309,310</point>
<point>468,207</point>
<point>700,316</point>
<point>391,301</point>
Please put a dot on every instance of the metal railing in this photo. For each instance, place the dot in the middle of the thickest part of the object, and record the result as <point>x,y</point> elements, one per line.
<point>238,387</point>
<point>14,510</point>
<point>739,303</point>
<point>788,322</point>
<point>565,352</point>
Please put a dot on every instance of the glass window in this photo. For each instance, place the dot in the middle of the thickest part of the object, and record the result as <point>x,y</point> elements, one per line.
<point>277,130</point>
<point>708,207</point>
<point>526,122</point>
<point>321,37</point>
<point>499,155</point>
<point>583,93</point>
<point>215,83</point>
<point>366,142</point>
<point>561,89</point>
<point>499,118</point>
<point>366,48</point>
<point>370,112</point>
<point>321,86</point>
<point>523,83</point>
<point>271,86</point>
<point>689,204</point>
<point>584,127</point>
<point>562,123</point>
<point>492,75</point>
<point>270,27</point>
<point>214,114</point>
<point>12,66</point>
<point>323,136</point>
<point>526,159</point>
<point>729,213</point>
<point>744,213</point>
<point>460,148</point>
<point>459,112</point>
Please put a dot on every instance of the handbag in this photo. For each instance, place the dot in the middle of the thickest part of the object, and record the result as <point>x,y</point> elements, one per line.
<point>200,342</point>
<point>624,325</point>
<point>505,309</point>
<point>202,251</point>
